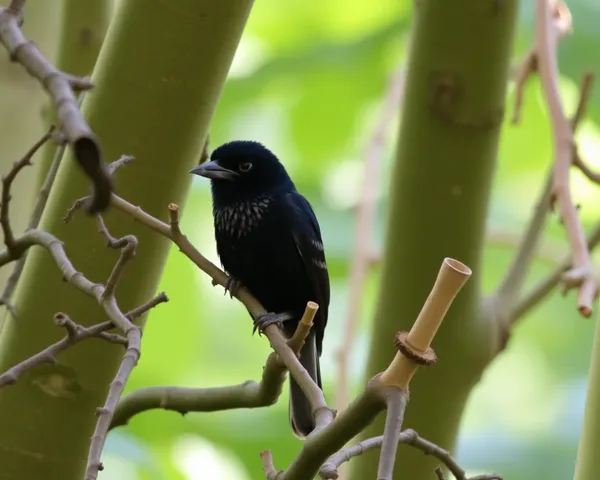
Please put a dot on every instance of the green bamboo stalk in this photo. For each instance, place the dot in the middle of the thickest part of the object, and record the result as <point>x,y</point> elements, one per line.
<point>159,76</point>
<point>588,460</point>
<point>440,188</point>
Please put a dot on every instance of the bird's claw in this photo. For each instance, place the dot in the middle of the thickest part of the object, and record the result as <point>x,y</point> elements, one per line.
<point>263,321</point>
<point>232,286</point>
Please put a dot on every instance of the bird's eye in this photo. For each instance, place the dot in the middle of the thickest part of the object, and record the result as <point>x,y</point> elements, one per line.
<point>245,167</point>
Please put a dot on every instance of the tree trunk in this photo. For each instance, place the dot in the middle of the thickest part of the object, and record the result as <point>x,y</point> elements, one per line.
<point>440,187</point>
<point>158,78</point>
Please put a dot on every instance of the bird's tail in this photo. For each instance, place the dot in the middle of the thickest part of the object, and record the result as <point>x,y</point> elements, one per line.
<point>301,418</point>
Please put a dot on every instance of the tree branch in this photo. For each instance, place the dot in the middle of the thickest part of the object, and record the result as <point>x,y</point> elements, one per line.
<point>61,87</point>
<point>544,287</point>
<point>408,437</point>
<point>9,239</point>
<point>34,221</point>
<point>546,34</point>
<point>562,23</point>
<point>249,394</point>
<point>396,400</point>
<point>75,334</point>
<point>515,276</point>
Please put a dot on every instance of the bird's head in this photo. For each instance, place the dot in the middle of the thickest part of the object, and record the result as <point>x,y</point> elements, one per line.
<point>243,169</point>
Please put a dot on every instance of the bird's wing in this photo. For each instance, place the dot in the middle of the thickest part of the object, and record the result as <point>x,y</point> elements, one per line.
<point>307,237</point>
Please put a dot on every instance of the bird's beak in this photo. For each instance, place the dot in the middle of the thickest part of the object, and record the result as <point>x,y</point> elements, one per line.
<point>214,171</point>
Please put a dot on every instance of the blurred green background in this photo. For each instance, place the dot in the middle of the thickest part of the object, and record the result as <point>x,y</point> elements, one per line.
<point>308,80</point>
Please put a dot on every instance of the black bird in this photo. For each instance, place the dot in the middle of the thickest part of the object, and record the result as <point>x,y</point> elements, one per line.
<point>268,239</point>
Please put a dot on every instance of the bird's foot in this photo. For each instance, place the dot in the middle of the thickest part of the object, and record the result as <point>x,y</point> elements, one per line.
<point>263,321</point>
<point>232,286</point>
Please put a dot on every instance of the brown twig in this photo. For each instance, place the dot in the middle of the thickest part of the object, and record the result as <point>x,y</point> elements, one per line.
<point>34,221</point>
<point>127,245</point>
<point>75,334</point>
<point>266,458</point>
<point>546,35</point>
<point>61,87</point>
<point>9,239</point>
<point>303,327</point>
<point>439,473</point>
<point>396,400</point>
<point>363,244</point>
<point>408,437</point>
<point>543,288</point>
<point>248,394</point>
<point>584,96</point>
<point>562,23</point>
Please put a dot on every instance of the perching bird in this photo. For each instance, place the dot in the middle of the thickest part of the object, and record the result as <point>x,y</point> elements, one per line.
<point>268,239</point>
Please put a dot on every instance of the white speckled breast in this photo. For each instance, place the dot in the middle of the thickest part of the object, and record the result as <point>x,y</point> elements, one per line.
<point>242,217</point>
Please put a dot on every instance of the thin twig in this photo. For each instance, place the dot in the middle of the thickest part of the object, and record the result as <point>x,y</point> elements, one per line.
<point>363,244</point>
<point>303,327</point>
<point>544,287</point>
<point>562,23</point>
<point>396,400</point>
<point>581,275</point>
<point>269,470</point>
<point>127,245</point>
<point>61,87</point>
<point>9,239</point>
<point>248,394</point>
<point>439,473</point>
<point>408,437</point>
<point>584,96</point>
<point>75,334</point>
<point>34,221</point>
<point>515,275</point>
<point>585,92</point>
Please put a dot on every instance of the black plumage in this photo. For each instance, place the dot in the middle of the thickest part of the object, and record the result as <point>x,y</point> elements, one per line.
<point>268,239</point>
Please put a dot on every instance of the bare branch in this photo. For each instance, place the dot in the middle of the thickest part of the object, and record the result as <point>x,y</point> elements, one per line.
<point>266,458</point>
<point>581,276</point>
<point>396,401</point>
<point>9,239</point>
<point>303,327</point>
<point>34,221</point>
<point>562,26</point>
<point>542,289</point>
<point>75,334</point>
<point>249,394</point>
<point>127,246</point>
<point>585,92</point>
<point>515,276</point>
<point>61,87</point>
<point>408,437</point>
